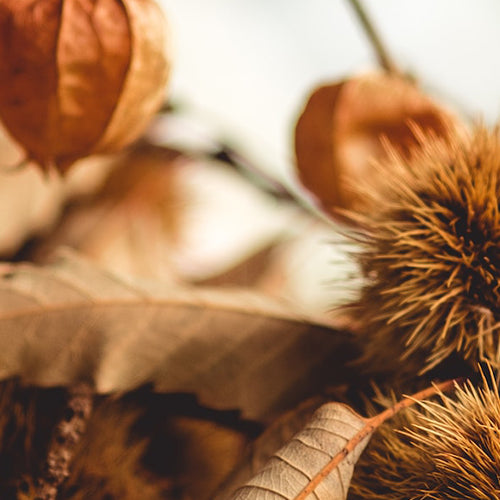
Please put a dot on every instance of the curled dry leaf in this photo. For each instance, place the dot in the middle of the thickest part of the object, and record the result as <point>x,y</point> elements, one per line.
<point>343,127</point>
<point>292,468</point>
<point>318,462</point>
<point>79,77</point>
<point>69,322</point>
<point>275,436</point>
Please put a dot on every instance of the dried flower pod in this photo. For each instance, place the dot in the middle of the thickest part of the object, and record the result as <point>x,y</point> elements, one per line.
<point>431,258</point>
<point>342,129</point>
<point>79,77</point>
<point>446,450</point>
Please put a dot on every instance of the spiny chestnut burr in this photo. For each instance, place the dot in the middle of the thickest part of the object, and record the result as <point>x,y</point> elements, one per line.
<point>442,450</point>
<point>431,256</point>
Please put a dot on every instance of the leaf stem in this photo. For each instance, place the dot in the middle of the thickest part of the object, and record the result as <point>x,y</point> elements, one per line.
<point>384,59</point>
<point>371,425</point>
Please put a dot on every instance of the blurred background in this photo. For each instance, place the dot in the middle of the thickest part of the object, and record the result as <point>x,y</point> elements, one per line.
<point>244,68</point>
<point>241,74</point>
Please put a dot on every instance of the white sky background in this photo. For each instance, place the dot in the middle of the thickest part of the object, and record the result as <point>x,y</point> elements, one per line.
<point>244,68</point>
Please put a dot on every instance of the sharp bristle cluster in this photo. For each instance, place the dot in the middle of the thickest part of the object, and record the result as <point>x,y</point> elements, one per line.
<point>444,450</point>
<point>431,256</point>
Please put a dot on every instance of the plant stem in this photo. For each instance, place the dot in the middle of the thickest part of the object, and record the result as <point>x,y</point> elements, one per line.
<point>384,59</point>
<point>233,159</point>
<point>62,446</point>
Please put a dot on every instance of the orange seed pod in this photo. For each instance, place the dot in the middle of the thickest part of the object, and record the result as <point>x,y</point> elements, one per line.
<point>79,77</point>
<point>343,127</point>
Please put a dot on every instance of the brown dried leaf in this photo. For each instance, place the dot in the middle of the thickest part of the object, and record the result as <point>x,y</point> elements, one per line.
<point>164,216</point>
<point>247,273</point>
<point>69,321</point>
<point>199,441</point>
<point>131,224</point>
<point>108,462</point>
<point>79,77</point>
<point>343,127</point>
<point>320,460</point>
<point>268,443</point>
<point>292,468</point>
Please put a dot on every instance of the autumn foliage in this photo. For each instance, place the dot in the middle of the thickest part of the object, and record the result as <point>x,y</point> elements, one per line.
<point>163,330</point>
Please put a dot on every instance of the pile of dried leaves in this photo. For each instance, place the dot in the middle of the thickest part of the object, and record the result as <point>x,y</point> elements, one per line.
<point>163,329</point>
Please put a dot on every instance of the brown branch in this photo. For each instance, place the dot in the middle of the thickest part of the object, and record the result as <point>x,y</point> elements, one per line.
<point>384,59</point>
<point>244,166</point>
<point>369,428</point>
<point>64,440</point>
<point>236,161</point>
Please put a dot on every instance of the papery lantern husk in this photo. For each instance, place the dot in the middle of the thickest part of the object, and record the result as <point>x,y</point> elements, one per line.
<point>347,125</point>
<point>79,77</point>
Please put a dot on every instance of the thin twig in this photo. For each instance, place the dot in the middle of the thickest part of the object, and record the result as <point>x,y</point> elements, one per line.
<point>384,59</point>
<point>222,151</point>
<point>226,154</point>
<point>62,446</point>
<point>235,160</point>
<point>371,425</point>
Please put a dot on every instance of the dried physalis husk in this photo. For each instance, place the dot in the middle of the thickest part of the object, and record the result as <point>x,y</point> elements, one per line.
<point>344,126</point>
<point>79,77</point>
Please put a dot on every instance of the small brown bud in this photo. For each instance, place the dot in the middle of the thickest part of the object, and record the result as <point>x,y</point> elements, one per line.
<point>343,127</point>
